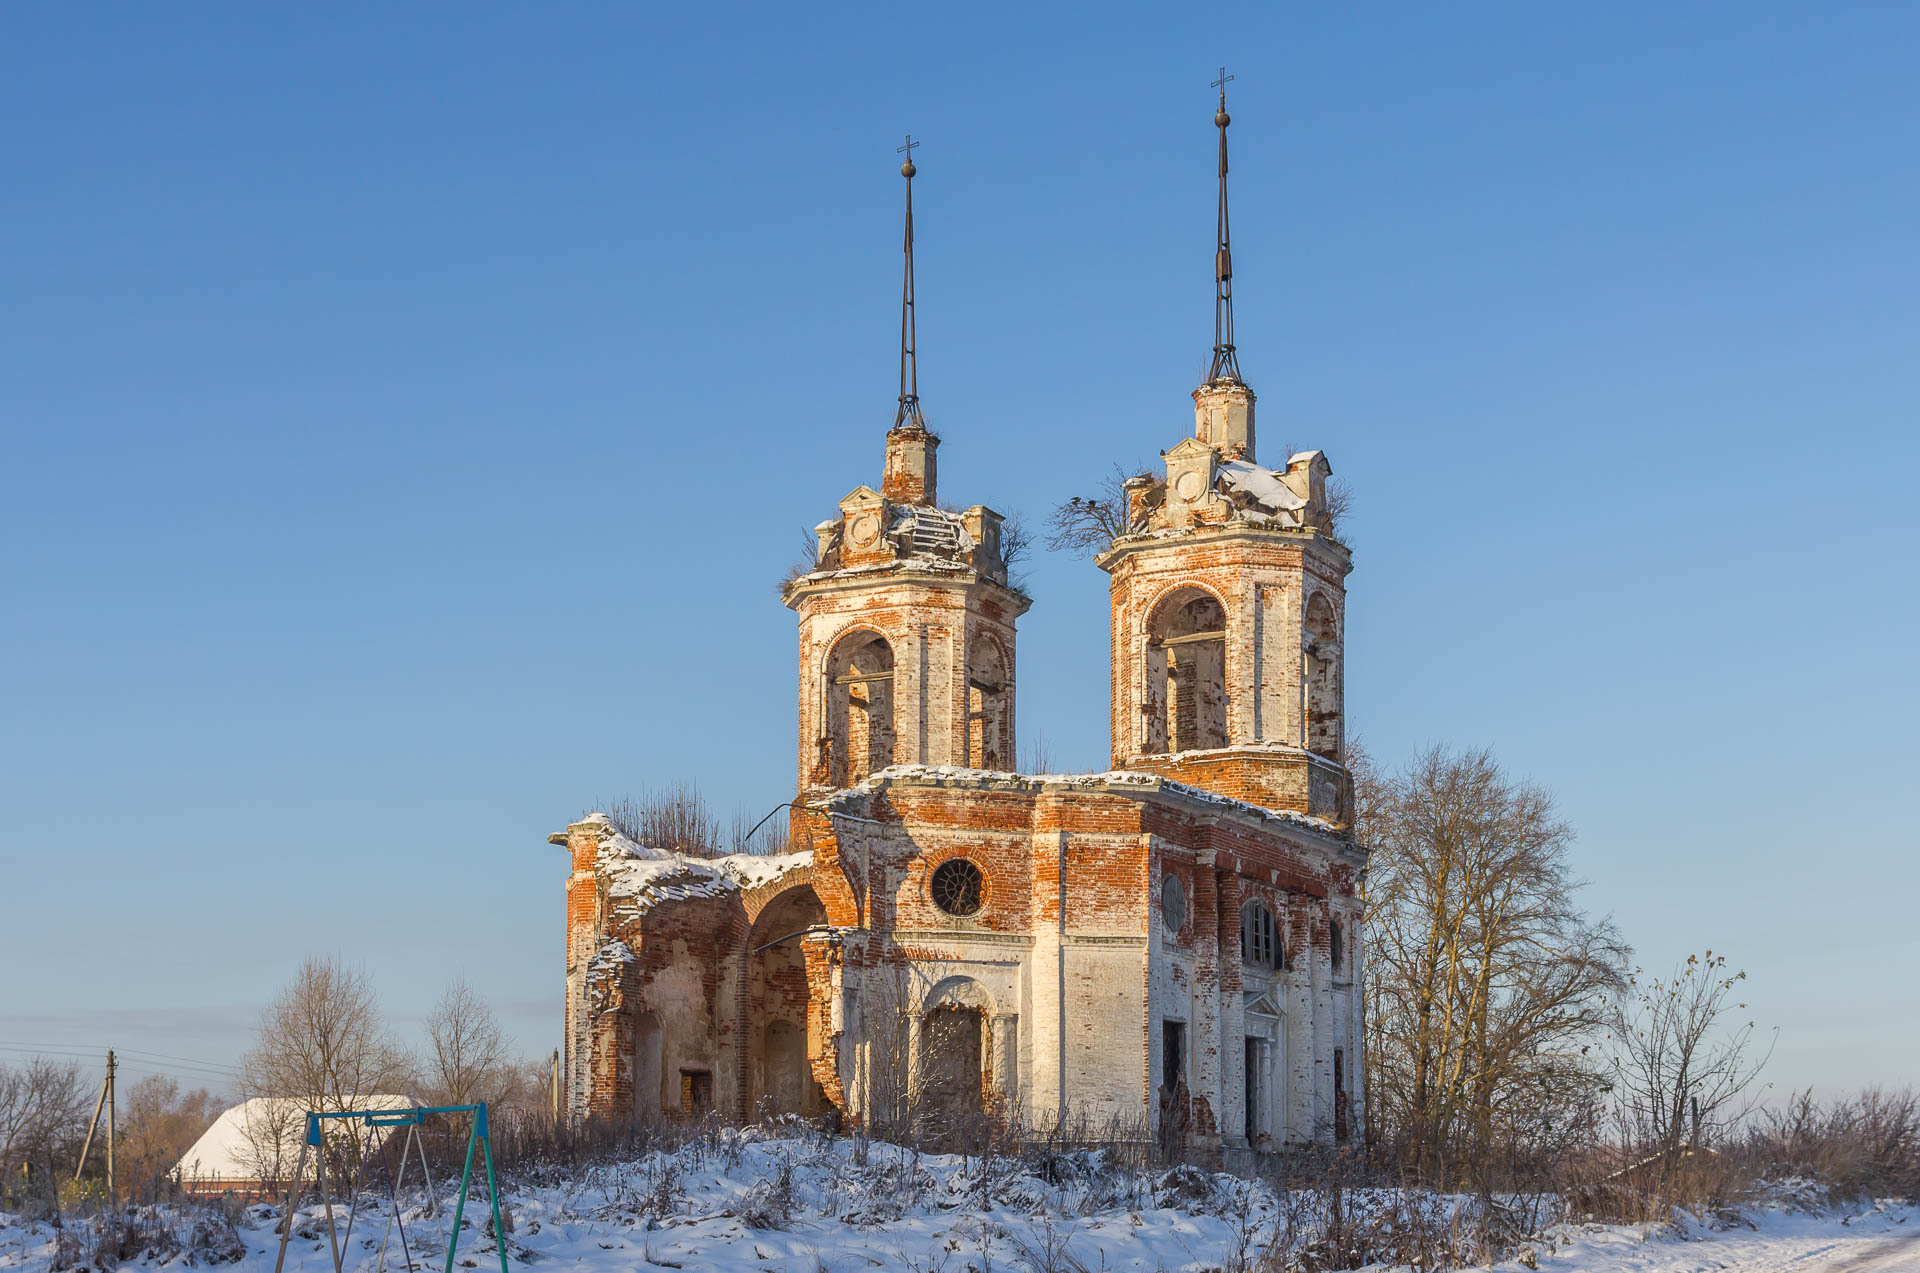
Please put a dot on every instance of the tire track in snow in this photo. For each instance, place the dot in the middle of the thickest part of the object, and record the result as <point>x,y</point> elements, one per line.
<point>1897,1255</point>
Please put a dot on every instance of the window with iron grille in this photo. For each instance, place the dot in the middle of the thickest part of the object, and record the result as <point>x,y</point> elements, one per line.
<point>956,887</point>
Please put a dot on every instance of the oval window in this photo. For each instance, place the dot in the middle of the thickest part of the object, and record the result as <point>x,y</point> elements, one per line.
<point>956,887</point>
<point>1173,903</point>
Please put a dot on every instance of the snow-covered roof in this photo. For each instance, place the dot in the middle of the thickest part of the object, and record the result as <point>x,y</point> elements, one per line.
<point>641,876</point>
<point>233,1148</point>
<point>1262,486</point>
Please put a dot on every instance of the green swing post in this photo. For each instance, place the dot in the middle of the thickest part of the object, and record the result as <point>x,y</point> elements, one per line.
<point>477,1131</point>
<point>460,1205</point>
<point>493,1186</point>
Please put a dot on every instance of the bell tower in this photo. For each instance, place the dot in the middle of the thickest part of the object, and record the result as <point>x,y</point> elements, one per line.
<point>1229,600</point>
<point>907,617</point>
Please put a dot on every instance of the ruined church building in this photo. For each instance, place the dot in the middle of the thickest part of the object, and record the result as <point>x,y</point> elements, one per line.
<point>1172,947</point>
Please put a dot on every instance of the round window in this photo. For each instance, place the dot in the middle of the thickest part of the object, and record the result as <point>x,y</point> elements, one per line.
<point>1173,903</point>
<point>956,887</point>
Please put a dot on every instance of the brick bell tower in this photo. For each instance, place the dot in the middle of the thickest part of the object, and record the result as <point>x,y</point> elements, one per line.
<point>1229,602</point>
<point>907,617</point>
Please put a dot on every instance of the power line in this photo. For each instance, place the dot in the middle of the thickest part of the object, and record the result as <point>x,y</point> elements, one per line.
<point>193,1069</point>
<point>101,1047</point>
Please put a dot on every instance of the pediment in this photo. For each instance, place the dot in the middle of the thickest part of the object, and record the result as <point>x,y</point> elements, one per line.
<point>861,497</point>
<point>1263,1004</point>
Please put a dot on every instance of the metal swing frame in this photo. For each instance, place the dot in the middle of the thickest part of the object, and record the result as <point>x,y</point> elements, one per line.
<point>411,1119</point>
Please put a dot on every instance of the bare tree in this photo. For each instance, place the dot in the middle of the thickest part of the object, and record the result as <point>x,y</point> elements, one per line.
<point>159,1123</point>
<point>1681,1074</point>
<point>528,1087</point>
<point>467,1055</point>
<point>1488,986</point>
<point>1091,522</point>
<point>323,1042</point>
<point>677,818</point>
<point>43,1110</point>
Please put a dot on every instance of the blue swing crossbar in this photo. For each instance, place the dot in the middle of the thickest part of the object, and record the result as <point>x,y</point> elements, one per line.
<point>399,1118</point>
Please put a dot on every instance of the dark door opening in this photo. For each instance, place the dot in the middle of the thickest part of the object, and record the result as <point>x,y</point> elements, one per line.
<point>696,1092</point>
<point>1339,1094</point>
<point>1254,1086</point>
<point>953,1091</point>
<point>1173,1054</point>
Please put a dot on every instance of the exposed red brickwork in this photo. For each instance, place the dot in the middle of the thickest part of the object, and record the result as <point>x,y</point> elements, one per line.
<point>846,982</point>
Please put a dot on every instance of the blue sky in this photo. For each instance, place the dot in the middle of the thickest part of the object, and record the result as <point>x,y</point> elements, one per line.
<point>408,414</point>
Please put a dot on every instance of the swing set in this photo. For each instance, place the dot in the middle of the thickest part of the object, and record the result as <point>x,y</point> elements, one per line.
<point>374,1121</point>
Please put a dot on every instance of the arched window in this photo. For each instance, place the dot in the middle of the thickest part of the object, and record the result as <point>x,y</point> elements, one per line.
<point>1321,673</point>
<point>1336,952</point>
<point>1186,706</point>
<point>989,736</point>
<point>858,738</point>
<point>1259,936</point>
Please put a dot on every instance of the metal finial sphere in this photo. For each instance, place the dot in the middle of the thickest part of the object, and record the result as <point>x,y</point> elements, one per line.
<point>1222,119</point>
<point>907,170</point>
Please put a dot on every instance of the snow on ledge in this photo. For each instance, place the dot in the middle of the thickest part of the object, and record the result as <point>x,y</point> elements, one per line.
<point>641,876</point>
<point>754,870</point>
<point>1120,780</point>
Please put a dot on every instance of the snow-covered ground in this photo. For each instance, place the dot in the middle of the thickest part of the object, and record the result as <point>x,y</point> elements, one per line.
<point>806,1204</point>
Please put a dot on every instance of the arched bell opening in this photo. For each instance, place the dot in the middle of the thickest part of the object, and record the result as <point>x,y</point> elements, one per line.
<point>859,734</point>
<point>1320,672</point>
<point>989,714</point>
<point>1186,673</point>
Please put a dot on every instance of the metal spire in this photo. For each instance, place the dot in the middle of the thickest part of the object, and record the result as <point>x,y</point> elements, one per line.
<point>1226,364</point>
<point>909,412</point>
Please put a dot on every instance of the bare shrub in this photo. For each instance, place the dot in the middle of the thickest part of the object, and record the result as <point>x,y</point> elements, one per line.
<point>1016,545</point>
<point>1091,522</point>
<point>1863,1146</point>
<point>677,818</point>
<point>771,1200</point>
<point>806,563</point>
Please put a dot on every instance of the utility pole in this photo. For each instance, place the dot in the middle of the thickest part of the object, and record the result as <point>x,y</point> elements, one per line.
<point>107,1101</point>
<point>553,1086</point>
<point>113,1194</point>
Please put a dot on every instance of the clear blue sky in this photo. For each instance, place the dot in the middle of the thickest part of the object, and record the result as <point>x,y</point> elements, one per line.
<point>409,412</point>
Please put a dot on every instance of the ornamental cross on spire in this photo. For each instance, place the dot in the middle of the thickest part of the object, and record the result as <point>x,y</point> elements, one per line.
<point>909,410</point>
<point>1226,363</point>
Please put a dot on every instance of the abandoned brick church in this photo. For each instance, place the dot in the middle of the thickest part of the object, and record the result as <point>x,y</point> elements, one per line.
<point>1172,944</point>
